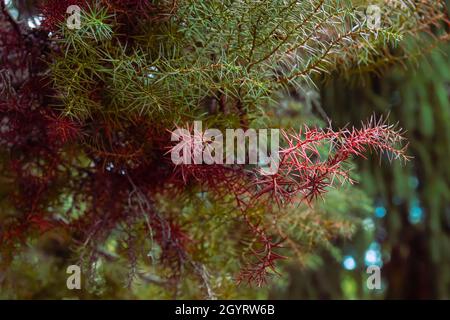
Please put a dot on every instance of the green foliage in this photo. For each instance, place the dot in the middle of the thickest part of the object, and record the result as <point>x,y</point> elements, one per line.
<point>235,53</point>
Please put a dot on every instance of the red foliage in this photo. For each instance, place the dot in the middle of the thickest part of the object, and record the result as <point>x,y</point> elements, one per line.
<point>311,162</point>
<point>305,172</point>
<point>33,158</point>
<point>55,11</point>
<point>264,257</point>
<point>62,129</point>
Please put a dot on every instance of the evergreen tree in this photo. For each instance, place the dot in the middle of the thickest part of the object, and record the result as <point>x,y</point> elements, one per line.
<point>86,118</point>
